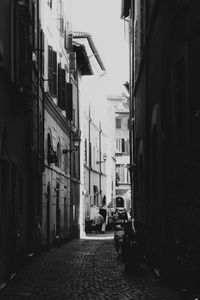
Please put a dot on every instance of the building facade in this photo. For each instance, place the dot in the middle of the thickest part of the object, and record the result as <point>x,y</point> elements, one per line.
<point>120,116</point>
<point>61,177</point>
<point>21,134</point>
<point>94,140</point>
<point>165,106</point>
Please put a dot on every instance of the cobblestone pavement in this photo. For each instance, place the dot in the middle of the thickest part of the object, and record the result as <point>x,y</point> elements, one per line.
<point>82,270</point>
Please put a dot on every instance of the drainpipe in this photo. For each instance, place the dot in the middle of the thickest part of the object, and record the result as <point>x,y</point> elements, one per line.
<point>100,192</point>
<point>89,183</point>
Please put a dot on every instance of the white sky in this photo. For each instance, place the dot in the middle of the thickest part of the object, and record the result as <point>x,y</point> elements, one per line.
<point>101,18</point>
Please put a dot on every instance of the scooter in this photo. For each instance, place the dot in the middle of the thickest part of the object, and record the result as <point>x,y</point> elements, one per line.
<point>119,233</point>
<point>133,252</point>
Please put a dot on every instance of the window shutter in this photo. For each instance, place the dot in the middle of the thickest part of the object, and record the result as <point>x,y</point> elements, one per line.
<point>128,147</point>
<point>54,73</point>
<point>42,52</point>
<point>123,145</point>
<point>50,68</point>
<point>69,103</point>
<point>61,88</point>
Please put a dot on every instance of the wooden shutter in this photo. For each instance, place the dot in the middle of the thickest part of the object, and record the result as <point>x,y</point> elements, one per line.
<point>69,102</point>
<point>123,145</point>
<point>61,88</point>
<point>42,52</point>
<point>54,74</point>
<point>50,68</point>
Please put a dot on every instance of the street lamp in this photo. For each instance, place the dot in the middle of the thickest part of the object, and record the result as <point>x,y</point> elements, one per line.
<point>76,143</point>
<point>104,159</point>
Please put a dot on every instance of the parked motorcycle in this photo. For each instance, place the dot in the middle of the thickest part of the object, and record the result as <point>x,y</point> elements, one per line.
<point>119,233</point>
<point>129,244</point>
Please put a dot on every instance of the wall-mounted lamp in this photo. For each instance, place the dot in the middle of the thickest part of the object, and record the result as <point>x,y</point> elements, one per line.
<point>76,143</point>
<point>104,159</point>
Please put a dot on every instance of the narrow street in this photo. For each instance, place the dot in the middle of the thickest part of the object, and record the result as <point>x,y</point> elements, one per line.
<point>82,269</point>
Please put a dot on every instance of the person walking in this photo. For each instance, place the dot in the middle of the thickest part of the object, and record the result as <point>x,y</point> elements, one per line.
<point>103,212</point>
<point>98,221</point>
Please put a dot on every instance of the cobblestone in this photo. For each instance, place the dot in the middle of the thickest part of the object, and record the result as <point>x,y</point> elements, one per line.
<point>83,270</point>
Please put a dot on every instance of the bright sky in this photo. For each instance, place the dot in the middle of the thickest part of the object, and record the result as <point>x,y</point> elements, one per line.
<point>101,18</point>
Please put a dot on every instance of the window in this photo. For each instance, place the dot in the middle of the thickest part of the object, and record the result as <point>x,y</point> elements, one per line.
<point>42,52</point>
<point>69,103</point>
<point>118,123</point>
<point>66,161</point>
<point>52,71</point>
<point>123,145</point>
<point>58,163</point>
<point>122,174</point>
<point>50,68</point>
<point>61,88</point>
<point>127,147</point>
<point>118,145</point>
<point>51,154</point>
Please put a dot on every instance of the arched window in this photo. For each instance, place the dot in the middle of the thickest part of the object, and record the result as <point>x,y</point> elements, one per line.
<point>58,152</point>
<point>51,154</point>
<point>66,161</point>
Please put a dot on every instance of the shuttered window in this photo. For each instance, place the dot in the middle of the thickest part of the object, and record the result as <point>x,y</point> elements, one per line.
<point>54,73</point>
<point>118,123</point>
<point>123,145</point>
<point>42,52</point>
<point>61,88</point>
<point>52,70</point>
<point>69,103</point>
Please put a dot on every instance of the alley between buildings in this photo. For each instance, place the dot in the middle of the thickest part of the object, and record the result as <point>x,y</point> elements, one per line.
<point>83,269</point>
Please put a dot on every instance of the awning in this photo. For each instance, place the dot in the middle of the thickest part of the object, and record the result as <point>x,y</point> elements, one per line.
<point>126,5</point>
<point>83,62</point>
<point>81,35</point>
